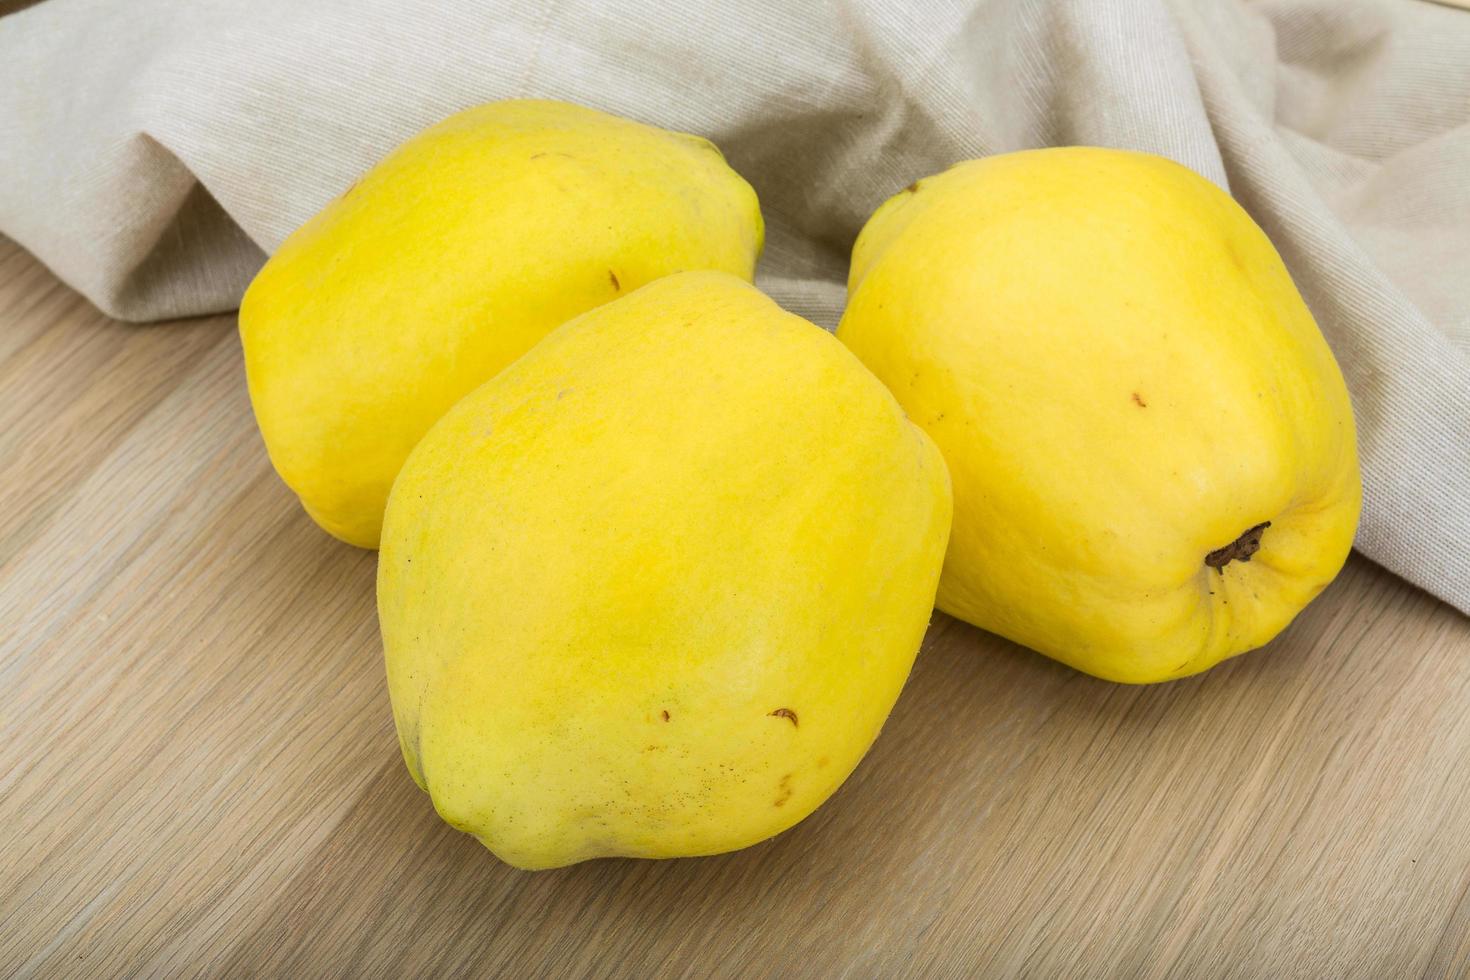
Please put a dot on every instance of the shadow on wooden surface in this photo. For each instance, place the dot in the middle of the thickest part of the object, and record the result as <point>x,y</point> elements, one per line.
<point>198,771</point>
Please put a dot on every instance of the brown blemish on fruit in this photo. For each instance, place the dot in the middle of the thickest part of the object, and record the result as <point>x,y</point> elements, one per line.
<point>664,714</point>
<point>613,278</point>
<point>652,748</point>
<point>785,713</point>
<point>1138,400</point>
<point>784,790</point>
<point>1240,549</point>
<point>912,188</point>
<point>822,762</point>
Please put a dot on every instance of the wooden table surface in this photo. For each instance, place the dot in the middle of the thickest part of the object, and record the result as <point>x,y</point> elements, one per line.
<point>198,772</point>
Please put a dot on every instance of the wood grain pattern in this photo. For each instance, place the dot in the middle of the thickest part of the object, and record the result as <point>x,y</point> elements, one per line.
<point>198,773</point>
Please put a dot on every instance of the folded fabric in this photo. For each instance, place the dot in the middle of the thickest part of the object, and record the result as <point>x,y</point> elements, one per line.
<point>152,153</point>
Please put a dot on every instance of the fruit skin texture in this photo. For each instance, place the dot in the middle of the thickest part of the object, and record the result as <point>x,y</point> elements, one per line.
<point>1123,379</point>
<point>450,259</point>
<point>653,590</point>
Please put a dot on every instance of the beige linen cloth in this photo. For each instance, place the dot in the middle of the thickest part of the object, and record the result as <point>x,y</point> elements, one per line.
<point>152,152</point>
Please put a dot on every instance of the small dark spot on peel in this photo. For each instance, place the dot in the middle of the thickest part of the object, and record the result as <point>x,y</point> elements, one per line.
<point>912,188</point>
<point>783,790</point>
<point>785,713</point>
<point>1138,400</point>
<point>822,762</point>
<point>613,278</point>
<point>664,714</point>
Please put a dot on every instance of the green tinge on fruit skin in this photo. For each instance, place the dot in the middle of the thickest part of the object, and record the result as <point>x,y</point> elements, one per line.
<point>653,590</point>
<point>450,259</point>
<point>1123,380</point>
